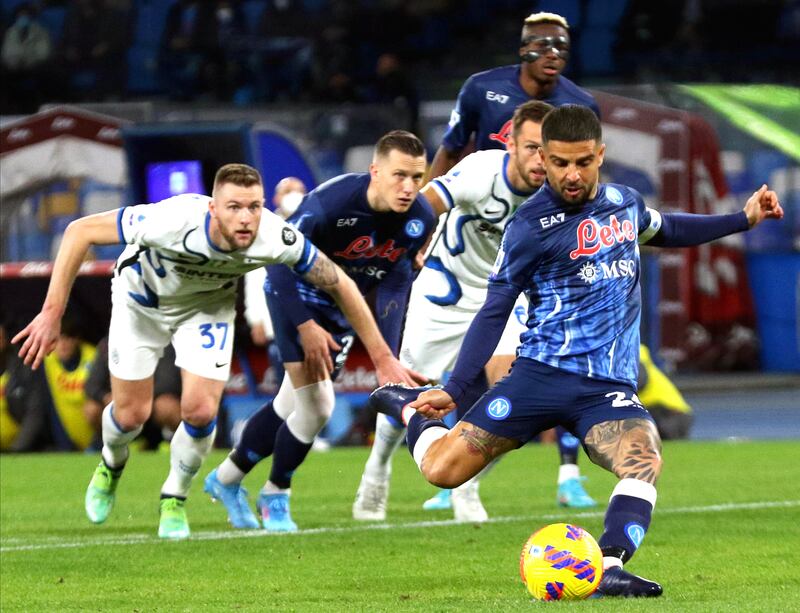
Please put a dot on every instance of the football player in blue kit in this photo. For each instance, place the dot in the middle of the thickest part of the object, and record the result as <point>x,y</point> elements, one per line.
<point>371,224</point>
<point>483,111</point>
<point>573,249</point>
<point>487,99</point>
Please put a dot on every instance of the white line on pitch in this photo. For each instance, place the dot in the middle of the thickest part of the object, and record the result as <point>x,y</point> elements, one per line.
<point>138,539</point>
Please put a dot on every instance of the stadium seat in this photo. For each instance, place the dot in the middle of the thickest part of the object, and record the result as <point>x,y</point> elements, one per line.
<point>150,20</point>
<point>143,76</point>
<point>604,13</point>
<point>253,11</point>
<point>53,18</point>
<point>596,50</point>
<point>571,10</point>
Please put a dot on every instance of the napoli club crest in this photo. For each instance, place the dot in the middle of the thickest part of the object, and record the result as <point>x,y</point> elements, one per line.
<point>415,228</point>
<point>499,408</point>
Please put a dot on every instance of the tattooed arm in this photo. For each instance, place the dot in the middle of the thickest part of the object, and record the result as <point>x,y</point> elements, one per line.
<point>629,448</point>
<point>326,275</point>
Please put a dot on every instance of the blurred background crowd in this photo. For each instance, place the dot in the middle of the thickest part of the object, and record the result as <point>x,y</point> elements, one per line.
<point>368,51</point>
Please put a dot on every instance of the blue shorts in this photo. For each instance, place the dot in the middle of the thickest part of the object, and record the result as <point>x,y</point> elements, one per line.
<point>288,339</point>
<point>535,397</point>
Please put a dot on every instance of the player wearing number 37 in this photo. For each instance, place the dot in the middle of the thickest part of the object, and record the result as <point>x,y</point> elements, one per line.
<point>176,282</point>
<point>573,249</point>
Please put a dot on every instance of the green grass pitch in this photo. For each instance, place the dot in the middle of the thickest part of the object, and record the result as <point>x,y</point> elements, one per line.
<point>724,537</point>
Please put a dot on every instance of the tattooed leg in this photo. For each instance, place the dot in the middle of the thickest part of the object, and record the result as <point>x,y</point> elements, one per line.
<point>461,454</point>
<point>629,448</point>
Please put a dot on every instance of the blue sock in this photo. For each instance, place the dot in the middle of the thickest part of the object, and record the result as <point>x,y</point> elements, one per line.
<point>416,426</point>
<point>567,446</point>
<point>258,438</point>
<point>289,455</point>
<point>627,521</point>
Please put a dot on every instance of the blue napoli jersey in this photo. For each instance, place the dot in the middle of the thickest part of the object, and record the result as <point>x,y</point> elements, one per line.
<point>487,101</point>
<point>579,267</point>
<point>369,246</point>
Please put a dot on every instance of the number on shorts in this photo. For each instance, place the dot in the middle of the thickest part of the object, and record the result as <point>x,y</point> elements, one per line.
<point>620,400</point>
<point>205,331</point>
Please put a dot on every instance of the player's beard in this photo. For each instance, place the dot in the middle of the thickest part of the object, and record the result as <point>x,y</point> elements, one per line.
<point>235,241</point>
<point>530,180</point>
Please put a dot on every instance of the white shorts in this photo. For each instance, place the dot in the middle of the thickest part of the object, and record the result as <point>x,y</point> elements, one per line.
<point>203,339</point>
<point>433,334</point>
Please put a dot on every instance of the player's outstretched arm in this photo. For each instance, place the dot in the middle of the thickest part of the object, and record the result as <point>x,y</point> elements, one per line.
<point>41,334</point>
<point>326,275</point>
<point>443,161</point>
<point>763,204</point>
<point>689,230</point>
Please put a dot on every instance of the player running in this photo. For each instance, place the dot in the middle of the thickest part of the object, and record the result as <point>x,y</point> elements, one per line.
<point>480,195</point>
<point>572,249</point>
<point>371,224</point>
<point>176,282</point>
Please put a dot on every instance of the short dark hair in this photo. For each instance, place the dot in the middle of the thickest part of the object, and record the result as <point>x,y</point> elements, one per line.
<point>402,141</point>
<point>532,110</point>
<point>237,174</point>
<point>571,123</point>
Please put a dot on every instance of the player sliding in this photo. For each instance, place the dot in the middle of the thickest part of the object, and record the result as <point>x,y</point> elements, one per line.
<point>176,282</point>
<point>572,248</point>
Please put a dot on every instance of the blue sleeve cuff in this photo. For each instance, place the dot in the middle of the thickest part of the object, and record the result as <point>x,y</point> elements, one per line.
<point>119,225</point>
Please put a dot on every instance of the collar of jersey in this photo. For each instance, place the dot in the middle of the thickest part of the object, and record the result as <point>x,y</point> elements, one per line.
<point>208,237</point>
<point>516,192</point>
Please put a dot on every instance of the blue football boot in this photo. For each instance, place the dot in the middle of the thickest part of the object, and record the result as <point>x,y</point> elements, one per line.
<point>234,497</point>
<point>274,509</point>
<point>571,494</point>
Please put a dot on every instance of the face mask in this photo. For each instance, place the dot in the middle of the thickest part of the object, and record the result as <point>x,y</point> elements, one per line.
<point>289,202</point>
<point>225,15</point>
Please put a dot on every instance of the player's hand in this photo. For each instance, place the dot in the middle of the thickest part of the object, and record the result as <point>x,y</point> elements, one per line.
<point>317,345</point>
<point>40,338</point>
<point>763,204</point>
<point>434,404</point>
<point>390,370</point>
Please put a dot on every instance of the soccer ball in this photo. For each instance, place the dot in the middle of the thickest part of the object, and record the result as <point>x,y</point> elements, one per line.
<point>561,562</point>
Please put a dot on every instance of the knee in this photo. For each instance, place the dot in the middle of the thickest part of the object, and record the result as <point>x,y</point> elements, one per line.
<point>130,415</point>
<point>200,412</point>
<point>441,472</point>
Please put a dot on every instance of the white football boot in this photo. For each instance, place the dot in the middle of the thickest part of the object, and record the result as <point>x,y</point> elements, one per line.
<point>371,498</point>
<point>467,505</point>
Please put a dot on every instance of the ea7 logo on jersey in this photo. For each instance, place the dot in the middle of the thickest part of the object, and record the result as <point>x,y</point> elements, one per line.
<point>552,220</point>
<point>592,236</point>
<point>589,272</point>
<point>501,98</point>
<point>346,221</point>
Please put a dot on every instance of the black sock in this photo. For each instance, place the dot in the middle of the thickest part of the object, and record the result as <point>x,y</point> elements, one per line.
<point>289,455</point>
<point>258,438</point>
<point>568,446</point>
<point>627,520</point>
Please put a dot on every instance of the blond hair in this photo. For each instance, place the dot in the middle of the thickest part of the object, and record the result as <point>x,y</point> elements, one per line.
<point>534,19</point>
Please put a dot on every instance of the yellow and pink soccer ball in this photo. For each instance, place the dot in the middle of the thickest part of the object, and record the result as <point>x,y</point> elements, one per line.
<point>561,562</point>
